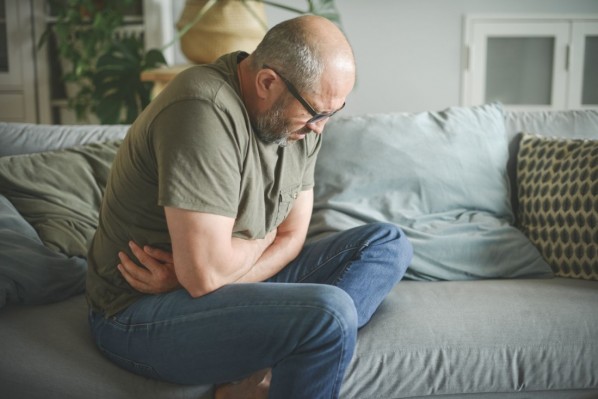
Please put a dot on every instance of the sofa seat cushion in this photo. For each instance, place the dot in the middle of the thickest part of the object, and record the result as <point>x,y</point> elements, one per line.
<point>487,339</point>
<point>47,352</point>
<point>482,337</point>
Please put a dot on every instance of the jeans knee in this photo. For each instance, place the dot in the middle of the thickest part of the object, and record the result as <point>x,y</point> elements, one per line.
<point>336,306</point>
<point>395,242</point>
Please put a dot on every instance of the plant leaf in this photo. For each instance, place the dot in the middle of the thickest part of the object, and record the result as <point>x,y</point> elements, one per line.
<point>153,58</point>
<point>117,80</point>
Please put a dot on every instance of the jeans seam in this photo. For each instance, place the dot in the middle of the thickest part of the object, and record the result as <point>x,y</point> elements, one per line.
<point>338,379</point>
<point>331,258</point>
<point>341,275</point>
<point>346,268</point>
<point>125,326</point>
<point>136,365</point>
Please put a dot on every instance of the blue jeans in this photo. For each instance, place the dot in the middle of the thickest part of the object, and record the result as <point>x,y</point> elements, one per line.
<point>302,322</point>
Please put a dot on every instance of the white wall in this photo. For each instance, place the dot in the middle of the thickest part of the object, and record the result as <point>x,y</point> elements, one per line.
<point>409,52</point>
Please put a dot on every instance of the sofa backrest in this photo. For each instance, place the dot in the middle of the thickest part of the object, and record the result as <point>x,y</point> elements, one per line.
<point>24,138</point>
<point>20,138</point>
<point>573,124</point>
<point>570,124</point>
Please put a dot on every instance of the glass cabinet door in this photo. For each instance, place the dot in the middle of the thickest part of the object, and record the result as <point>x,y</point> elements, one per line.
<point>519,70</point>
<point>520,64</point>
<point>584,65</point>
<point>18,101</point>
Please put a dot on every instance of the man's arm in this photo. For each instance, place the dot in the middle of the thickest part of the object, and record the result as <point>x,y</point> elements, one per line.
<point>257,260</point>
<point>205,254</point>
<point>289,241</point>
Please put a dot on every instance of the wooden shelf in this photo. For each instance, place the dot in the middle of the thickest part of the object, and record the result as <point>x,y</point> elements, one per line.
<point>161,76</point>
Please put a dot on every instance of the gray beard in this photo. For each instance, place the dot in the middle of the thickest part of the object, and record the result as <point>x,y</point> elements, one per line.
<point>272,127</point>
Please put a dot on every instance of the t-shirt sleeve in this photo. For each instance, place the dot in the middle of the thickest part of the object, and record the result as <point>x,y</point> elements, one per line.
<point>310,166</point>
<point>198,158</point>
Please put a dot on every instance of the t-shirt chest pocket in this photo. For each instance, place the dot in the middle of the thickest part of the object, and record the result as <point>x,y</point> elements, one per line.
<point>286,197</point>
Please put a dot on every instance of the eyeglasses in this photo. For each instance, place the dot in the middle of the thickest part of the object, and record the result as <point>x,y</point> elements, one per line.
<point>315,116</point>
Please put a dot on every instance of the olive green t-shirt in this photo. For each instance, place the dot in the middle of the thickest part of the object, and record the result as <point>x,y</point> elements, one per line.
<point>193,148</point>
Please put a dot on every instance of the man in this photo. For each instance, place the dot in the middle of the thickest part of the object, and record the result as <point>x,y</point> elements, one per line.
<point>214,181</point>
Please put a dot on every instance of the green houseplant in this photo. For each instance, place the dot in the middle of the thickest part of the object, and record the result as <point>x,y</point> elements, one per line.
<point>103,63</point>
<point>105,66</point>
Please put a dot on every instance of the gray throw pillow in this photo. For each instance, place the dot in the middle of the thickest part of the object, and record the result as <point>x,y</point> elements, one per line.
<point>441,176</point>
<point>30,273</point>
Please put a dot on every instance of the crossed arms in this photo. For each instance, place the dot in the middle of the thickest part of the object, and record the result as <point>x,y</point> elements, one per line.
<point>205,256</point>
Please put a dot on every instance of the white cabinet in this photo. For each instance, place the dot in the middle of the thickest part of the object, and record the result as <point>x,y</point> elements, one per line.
<point>544,62</point>
<point>17,71</point>
<point>583,92</point>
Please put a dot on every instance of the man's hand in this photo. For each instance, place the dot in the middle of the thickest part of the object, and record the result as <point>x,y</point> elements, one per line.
<point>158,276</point>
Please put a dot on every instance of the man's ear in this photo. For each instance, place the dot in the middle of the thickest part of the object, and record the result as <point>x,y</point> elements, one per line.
<point>264,79</point>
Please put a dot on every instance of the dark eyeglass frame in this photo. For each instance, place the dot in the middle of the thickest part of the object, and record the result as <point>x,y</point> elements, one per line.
<point>315,115</point>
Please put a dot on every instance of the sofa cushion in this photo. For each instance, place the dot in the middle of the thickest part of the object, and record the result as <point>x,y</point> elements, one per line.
<point>48,352</point>
<point>30,273</point>
<point>557,183</point>
<point>59,192</point>
<point>474,338</point>
<point>441,176</point>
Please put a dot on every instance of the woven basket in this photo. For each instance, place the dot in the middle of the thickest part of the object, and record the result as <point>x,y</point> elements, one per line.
<point>227,26</point>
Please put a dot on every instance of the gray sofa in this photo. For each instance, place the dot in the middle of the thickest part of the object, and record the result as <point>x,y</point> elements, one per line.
<point>485,311</point>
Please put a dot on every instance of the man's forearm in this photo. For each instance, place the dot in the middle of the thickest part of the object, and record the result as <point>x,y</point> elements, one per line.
<point>289,241</point>
<point>206,257</point>
<point>284,249</point>
<point>158,275</point>
<point>227,268</point>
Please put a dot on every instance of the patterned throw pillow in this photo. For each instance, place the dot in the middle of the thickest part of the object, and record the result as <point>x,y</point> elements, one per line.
<point>557,183</point>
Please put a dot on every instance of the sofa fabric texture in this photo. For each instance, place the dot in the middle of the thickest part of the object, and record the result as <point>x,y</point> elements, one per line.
<point>485,317</point>
<point>502,339</point>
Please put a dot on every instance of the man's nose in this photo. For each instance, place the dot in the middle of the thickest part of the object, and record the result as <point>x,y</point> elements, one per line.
<point>317,127</point>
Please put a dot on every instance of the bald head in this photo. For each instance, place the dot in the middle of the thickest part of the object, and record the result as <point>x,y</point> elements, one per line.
<point>308,49</point>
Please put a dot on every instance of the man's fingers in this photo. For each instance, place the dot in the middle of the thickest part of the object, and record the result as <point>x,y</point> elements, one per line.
<point>157,253</point>
<point>155,276</point>
<point>135,283</point>
<point>148,261</point>
<point>131,267</point>
<point>150,256</point>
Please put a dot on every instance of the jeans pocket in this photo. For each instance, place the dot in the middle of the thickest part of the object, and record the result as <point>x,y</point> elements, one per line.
<point>144,370</point>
